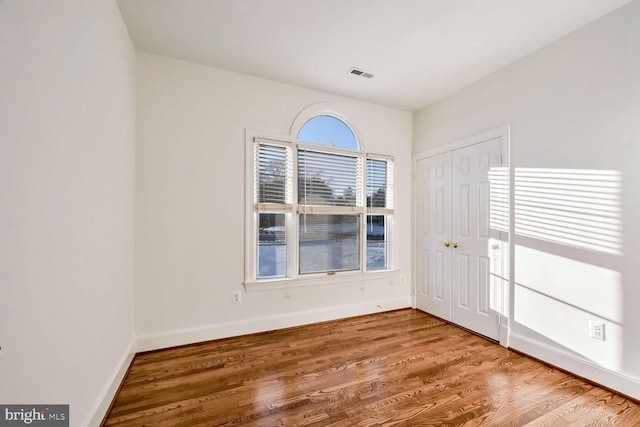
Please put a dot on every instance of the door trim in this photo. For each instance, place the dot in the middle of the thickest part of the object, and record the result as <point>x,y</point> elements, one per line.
<point>503,132</point>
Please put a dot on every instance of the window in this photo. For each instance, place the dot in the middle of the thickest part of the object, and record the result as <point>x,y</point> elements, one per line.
<point>379,207</point>
<point>329,243</point>
<point>328,130</point>
<point>320,205</point>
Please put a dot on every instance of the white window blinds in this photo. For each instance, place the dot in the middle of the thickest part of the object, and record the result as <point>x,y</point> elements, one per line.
<point>329,179</point>
<point>379,184</point>
<point>274,173</point>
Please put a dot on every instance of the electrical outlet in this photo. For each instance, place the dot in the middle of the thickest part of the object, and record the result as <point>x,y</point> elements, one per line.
<point>237,297</point>
<point>596,330</point>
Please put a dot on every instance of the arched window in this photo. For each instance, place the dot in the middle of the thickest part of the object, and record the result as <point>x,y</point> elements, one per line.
<point>328,130</point>
<point>321,205</point>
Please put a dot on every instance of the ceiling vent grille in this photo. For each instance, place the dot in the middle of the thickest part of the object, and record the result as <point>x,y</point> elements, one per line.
<point>359,72</point>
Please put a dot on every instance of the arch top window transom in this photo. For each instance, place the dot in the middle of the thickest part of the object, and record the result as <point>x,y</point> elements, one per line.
<point>328,130</point>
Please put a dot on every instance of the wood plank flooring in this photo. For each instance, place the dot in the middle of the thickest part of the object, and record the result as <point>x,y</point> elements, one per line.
<point>388,369</point>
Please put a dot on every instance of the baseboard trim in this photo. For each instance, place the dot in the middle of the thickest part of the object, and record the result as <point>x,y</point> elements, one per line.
<point>105,399</point>
<point>625,384</point>
<point>262,324</point>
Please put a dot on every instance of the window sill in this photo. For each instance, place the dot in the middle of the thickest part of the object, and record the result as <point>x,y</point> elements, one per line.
<point>317,280</point>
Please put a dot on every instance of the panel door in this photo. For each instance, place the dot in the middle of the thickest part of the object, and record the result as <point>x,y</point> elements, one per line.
<point>470,233</point>
<point>433,227</point>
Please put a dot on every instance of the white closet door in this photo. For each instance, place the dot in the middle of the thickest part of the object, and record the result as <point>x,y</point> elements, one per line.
<point>470,234</point>
<point>453,263</point>
<point>433,258</point>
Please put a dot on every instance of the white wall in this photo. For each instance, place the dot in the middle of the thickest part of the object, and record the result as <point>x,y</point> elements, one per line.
<point>190,193</point>
<point>573,105</point>
<point>66,203</point>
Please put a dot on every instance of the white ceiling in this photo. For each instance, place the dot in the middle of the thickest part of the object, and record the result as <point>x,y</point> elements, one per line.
<point>419,51</point>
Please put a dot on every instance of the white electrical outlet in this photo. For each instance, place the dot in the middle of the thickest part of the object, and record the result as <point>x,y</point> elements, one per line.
<point>237,297</point>
<point>596,330</point>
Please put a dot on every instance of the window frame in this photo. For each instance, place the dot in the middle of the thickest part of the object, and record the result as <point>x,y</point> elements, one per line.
<point>293,277</point>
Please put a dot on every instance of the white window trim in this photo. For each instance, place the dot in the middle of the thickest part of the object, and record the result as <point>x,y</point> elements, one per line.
<point>319,280</point>
<point>294,279</point>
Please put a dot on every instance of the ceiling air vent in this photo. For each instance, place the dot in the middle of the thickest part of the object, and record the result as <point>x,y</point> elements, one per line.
<point>358,72</point>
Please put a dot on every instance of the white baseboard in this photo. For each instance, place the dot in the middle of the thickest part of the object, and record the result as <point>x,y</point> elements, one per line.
<point>261,324</point>
<point>620,382</point>
<point>102,403</point>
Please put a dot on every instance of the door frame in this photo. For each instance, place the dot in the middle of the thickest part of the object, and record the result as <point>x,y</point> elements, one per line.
<point>502,132</point>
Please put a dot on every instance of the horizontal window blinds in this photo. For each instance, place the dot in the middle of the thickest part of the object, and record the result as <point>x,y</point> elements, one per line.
<point>379,184</point>
<point>273,176</point>
<point>329,179</point>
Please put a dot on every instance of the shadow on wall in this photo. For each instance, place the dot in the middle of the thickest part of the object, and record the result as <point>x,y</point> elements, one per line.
<point>568,260</point>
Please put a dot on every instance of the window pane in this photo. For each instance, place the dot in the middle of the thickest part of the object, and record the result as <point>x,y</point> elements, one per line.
<point>327,130</point>
<point>329,243</point>
<point>272,253</point>
<point>328,179</point>
<point>376,242</point>
<point>376,183</point>
<point>272,174</point>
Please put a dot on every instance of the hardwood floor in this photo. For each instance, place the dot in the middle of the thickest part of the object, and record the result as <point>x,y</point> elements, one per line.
<point>397,368</point>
